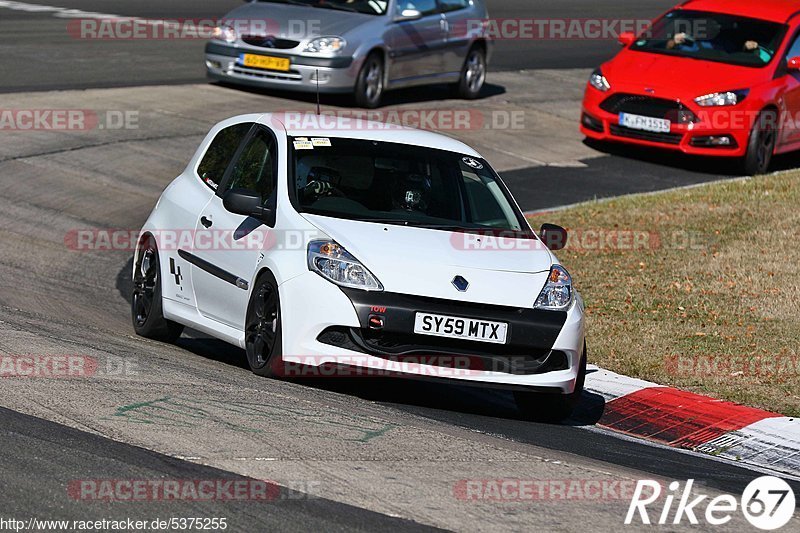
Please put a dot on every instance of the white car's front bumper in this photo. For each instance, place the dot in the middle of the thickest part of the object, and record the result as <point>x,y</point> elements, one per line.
<point>311,305</point>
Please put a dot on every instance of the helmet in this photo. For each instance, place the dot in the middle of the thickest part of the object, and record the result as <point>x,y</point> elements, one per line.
<point>412,192</point>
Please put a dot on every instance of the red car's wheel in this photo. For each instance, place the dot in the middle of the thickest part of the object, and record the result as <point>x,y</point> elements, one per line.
<point>761,145</point>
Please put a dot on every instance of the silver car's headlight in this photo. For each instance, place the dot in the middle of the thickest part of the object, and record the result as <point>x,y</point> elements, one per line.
<point>224,32</point>
<point>722,99</point>
<point>326,45</point>
<point>557,294</point>
<point>599,82</point>
<point>334,263</point>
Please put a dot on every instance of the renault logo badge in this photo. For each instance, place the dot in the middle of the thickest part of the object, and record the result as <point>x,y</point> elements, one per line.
<point>460,284</point>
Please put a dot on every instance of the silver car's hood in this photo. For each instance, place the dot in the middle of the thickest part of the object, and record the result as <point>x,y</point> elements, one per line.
<point>298,22</point>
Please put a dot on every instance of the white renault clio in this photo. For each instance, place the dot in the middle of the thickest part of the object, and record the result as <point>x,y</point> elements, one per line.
<point>361,245</point>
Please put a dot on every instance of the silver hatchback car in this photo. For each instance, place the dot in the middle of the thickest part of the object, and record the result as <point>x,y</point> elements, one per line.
<point>363,47</point>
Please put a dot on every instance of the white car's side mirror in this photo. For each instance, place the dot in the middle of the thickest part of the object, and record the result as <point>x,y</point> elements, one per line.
<point>245,202</point>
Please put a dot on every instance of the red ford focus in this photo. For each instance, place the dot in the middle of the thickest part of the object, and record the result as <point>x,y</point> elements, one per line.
<point>711,77</point>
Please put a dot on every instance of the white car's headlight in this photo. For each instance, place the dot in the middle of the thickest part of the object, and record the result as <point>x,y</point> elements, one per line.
<point>226,33</point>
<point>326,45</point>
<point>333,262</point>
<point>557,294</point>
<point>722,99</point>
<point>599,82</point>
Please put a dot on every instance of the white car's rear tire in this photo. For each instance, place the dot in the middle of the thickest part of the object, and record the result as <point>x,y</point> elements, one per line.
<point>146,304</point>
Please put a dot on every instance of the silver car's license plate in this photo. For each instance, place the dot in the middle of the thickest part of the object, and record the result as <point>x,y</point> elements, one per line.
<point>461,328</point>
<point>638,122</point>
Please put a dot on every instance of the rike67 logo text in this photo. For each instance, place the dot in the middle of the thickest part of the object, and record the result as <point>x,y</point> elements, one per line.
<point>768,503</point>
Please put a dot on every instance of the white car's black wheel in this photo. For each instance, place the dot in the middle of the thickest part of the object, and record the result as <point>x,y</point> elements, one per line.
<point>263,328</point>
<point>146,304</point>
<point>370,84</point>
<point>552,407</point>
<point>473,74</point>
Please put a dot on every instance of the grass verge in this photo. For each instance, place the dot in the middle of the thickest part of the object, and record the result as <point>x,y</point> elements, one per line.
<point>697,288</point>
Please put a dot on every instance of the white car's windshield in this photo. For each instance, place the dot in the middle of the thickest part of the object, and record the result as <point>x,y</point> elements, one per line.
<point>369,7</point>
<point>400,184</point>
<point>713,37</point>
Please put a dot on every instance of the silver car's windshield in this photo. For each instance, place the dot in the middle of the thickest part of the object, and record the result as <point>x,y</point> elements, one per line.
<point>367,7</point>
<point>401,184</point>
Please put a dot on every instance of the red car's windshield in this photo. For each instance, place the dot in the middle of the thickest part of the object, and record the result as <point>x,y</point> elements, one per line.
<point>713,37</point>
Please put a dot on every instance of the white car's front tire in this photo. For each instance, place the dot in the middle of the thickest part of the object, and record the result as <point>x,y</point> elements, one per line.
<point>552,407</point>
<point>263,331</point>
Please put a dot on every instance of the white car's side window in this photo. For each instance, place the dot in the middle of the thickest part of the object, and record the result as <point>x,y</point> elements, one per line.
<point>220,152</point>
<point>256,167</point>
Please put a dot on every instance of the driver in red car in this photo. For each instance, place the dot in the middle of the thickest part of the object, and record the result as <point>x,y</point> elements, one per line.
<point>684,41</point>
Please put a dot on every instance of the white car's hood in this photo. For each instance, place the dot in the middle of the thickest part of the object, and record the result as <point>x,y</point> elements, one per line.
<point>424,262</point>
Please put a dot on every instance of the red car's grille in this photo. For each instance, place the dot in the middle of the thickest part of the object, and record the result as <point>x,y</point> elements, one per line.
<point>648,106</point>
<point>664,138</point>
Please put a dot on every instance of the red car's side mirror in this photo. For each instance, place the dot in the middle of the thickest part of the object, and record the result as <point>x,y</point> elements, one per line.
<point>794,64</point>
<point>627,38</point>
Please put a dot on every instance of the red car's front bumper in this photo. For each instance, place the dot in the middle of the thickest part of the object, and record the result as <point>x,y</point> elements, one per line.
<point>690,138</point>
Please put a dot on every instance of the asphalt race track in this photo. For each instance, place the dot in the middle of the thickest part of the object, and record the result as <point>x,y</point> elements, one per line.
<point>45,57</point>
<point>343,454</point>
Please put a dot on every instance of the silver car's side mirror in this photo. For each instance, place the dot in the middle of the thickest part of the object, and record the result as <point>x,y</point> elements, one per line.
<point>408,14</point>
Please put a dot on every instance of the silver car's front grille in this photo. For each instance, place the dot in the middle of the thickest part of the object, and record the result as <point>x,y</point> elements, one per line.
<point>291,76</point>
<point>270,41</point>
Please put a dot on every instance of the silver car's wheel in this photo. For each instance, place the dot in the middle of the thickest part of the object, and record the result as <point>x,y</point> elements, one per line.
<point>473,74</point>
<point>369,87</point>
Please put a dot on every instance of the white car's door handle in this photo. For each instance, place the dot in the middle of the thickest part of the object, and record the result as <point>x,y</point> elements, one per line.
<point>207,223</point>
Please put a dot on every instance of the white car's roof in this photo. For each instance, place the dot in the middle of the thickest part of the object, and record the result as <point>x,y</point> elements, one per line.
<point>329,125</point>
